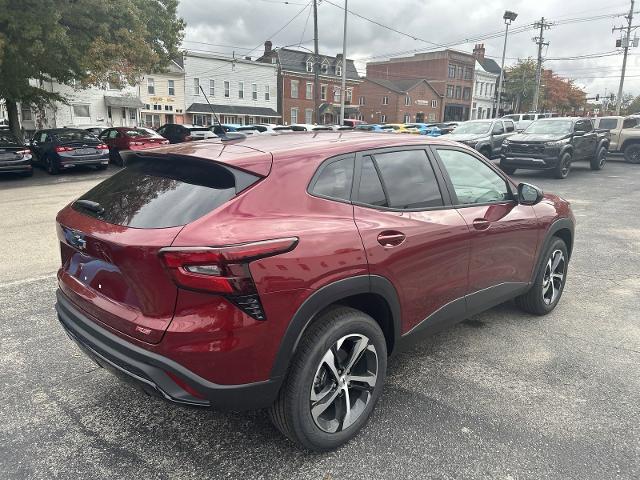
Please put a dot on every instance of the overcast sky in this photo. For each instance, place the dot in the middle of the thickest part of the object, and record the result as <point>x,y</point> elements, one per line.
<point>241,25</point>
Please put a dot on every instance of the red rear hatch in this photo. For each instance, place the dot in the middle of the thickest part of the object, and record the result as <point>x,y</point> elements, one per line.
<point>111,236</point>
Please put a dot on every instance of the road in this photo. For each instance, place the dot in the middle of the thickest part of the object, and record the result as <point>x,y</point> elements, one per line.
<point>503,395</point>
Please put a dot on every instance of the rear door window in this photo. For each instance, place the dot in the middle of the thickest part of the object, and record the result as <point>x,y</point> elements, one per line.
<point>609,123</point>
<point>510,126</point>
<point>628,123</point>
<point>334,179</point>
<point>153,193</point>
<point>370,191</point>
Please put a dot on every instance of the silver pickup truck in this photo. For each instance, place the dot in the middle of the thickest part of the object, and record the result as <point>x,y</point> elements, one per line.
<point>624,133</point>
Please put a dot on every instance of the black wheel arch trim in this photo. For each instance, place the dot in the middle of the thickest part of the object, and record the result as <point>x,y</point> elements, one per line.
<point>326,296</point>
<point>556,226</point>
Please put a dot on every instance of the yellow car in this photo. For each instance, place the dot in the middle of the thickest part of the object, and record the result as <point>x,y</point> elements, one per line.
<point>398,128</point>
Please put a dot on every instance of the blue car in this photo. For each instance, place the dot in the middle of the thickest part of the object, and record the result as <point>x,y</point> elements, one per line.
<point>430,129</point>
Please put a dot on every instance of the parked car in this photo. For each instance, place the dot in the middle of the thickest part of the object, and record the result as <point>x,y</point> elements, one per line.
<point>447,127</point>
<point>265,129</point>
<point>58,149</point>
<point>179,133</point>
<point>523,120</point>
<point>430,129</point>
<point>130,138</point>
<point>15,156</point>
<point>398,128</point>
<point>222,129</point>
<point>554,144</point>
<point>195,288</point>
<point>624,135</point>
<point>309,127</point>
<point>486,136</point>
<point>352,122</point>
<point>367,127</point>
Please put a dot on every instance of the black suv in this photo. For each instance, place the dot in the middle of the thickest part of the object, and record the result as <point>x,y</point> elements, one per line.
<point>553,144</point>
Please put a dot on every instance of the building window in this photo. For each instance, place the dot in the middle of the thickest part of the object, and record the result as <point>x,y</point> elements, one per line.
<point>168,108</point>
<point>212,87</point>
<point>468,73</point>
<point>458,91</point>
<point>348,95</point>
<point>452,71</point>
<point>113,83</point>
<point>450,90</point>
<point>385,100</point>
<point>323,92</point>
<point>324,68</point>
<point>361,100</point>
<point>466,93</point>
<point>133,114</point>
<point>240,90</point>
<point>151,87</point>
<point>227,88</point>
<point>81,111</point>
<point>309,65</point>
<point>434,103</point>
<point>383,118</point>
<point>171,88</point>
<point>26,114</point>
<point>460,72</point>
<point>196,86</point>
<point>274,60</point>
<point>254,91</point>
<point>309,91</point>
<point>151,120</point>
<point>294,88</point>
<point>267,93</point>
<point>407,100</point>
<point>407,118</point>
<point>338,70</point>
<point>308,115</point>
<point>157,106</point>
<point>336,95</point>
<point>294,115</point>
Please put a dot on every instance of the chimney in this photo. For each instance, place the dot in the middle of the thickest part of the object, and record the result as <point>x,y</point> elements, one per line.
<point>478,51</point>
<point>267,47</point>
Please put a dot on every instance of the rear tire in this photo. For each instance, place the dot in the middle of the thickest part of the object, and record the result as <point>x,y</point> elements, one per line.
<point>563,168</point>
<point>548,286</point>
<point>116,158</point>
<point>599,159</point>
<point>51,165</point>
<point>341,357</point>
<point>632,153</point>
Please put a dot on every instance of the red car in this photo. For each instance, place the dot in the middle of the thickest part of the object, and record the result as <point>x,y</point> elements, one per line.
<point>282,271</point>
<point>119,139</point>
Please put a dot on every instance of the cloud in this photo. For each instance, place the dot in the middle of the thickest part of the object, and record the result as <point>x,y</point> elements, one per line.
<point>238,26</point>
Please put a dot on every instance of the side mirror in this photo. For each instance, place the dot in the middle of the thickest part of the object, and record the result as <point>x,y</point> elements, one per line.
<point>529,194</point>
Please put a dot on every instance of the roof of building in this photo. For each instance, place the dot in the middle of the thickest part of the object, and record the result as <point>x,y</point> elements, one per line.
<point>489,65</point>
<point>401,85</point>
<point>296,61</point>
<point>233,110</point>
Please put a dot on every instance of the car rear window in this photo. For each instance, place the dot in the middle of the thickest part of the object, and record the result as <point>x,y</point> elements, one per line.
<point>7,139</point>
<point>140,132</point>
<point>199,129</point>
<point>75,136</point>
<point>155,194</point>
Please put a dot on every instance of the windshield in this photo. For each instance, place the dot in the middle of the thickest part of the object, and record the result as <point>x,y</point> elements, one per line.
<point>7,139</point>
<point>475,128</point>
<point>75,136</point>
<point>550,126</point>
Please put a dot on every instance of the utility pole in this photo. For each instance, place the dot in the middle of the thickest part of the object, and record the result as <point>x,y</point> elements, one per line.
<point>316,63</point>
<point>343,87</point>
<point>541,43</point>
<point>625,45</point>
<point>508,18</point>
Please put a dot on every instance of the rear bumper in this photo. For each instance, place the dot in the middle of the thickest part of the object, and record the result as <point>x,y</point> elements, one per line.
<point>156,374</point>
<point>71,161</point>
<point>6,167</point>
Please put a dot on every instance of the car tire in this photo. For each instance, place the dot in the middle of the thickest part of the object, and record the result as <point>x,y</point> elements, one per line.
<point>508,170</point>
<point>550,280</point>
<point>563,168</point>
<point>116,158</point>
<point>316,373</point>
<point>600,158</point>
<point>51,166</point>
<point>632,153</point>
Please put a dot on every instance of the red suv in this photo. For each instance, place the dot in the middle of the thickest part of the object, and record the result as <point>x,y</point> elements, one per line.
<point>282,271</point>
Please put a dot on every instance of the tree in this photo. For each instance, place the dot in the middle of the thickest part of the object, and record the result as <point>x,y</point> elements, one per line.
<point>632,106</point>
<point>86,41</point>
<point>520,84</point>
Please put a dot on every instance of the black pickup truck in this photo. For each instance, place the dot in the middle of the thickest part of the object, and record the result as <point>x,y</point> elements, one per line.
<point>553,144</point>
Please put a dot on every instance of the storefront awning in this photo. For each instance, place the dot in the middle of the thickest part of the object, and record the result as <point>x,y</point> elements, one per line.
<point>233,110</point>
<point>127,102</point>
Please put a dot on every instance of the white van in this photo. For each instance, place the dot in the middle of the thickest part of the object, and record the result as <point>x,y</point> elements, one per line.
<point>523,120</point>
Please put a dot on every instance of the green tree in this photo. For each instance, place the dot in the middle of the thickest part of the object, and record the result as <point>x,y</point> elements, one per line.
<point>87,41</point>
<point>520,84</point>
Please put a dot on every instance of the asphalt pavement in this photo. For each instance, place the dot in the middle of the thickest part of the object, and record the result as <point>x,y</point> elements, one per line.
<point>503,395</point>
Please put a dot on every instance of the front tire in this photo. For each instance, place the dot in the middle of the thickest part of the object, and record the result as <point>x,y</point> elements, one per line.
<point>600,158</point>
<point>563,168</point>
<point>547,289</point>
<point>632,153</point>
<point>334,381</point>
<point>115,157</point>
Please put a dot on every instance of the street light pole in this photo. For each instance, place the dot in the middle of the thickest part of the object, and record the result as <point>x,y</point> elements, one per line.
<point>508,18</point>
<point>343,91</point>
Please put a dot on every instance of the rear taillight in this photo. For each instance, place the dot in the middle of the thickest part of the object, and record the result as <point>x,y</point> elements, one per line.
<point>136,143</point>
<point>102,146</point>
<point>224,270</point>
<point>64,149</point>
<point>24,153</point>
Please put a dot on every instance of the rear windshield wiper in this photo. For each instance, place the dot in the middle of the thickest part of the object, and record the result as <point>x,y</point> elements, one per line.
<point>89,205</point>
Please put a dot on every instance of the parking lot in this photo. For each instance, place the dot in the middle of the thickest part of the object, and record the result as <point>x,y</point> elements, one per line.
<point>503,395</point>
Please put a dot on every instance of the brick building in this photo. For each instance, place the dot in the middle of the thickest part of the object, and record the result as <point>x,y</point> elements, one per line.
<point>399,101</point>
<point>448,71</point>
<point>296,101</point>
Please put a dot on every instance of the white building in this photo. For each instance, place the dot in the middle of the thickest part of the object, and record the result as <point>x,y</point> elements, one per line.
<point>163,96</point>
<point>240,91</point>
<point>485,85</point>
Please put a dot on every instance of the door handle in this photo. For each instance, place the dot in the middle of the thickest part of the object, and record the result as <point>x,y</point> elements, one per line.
<point>391,238</point>
<point>481,223</point>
